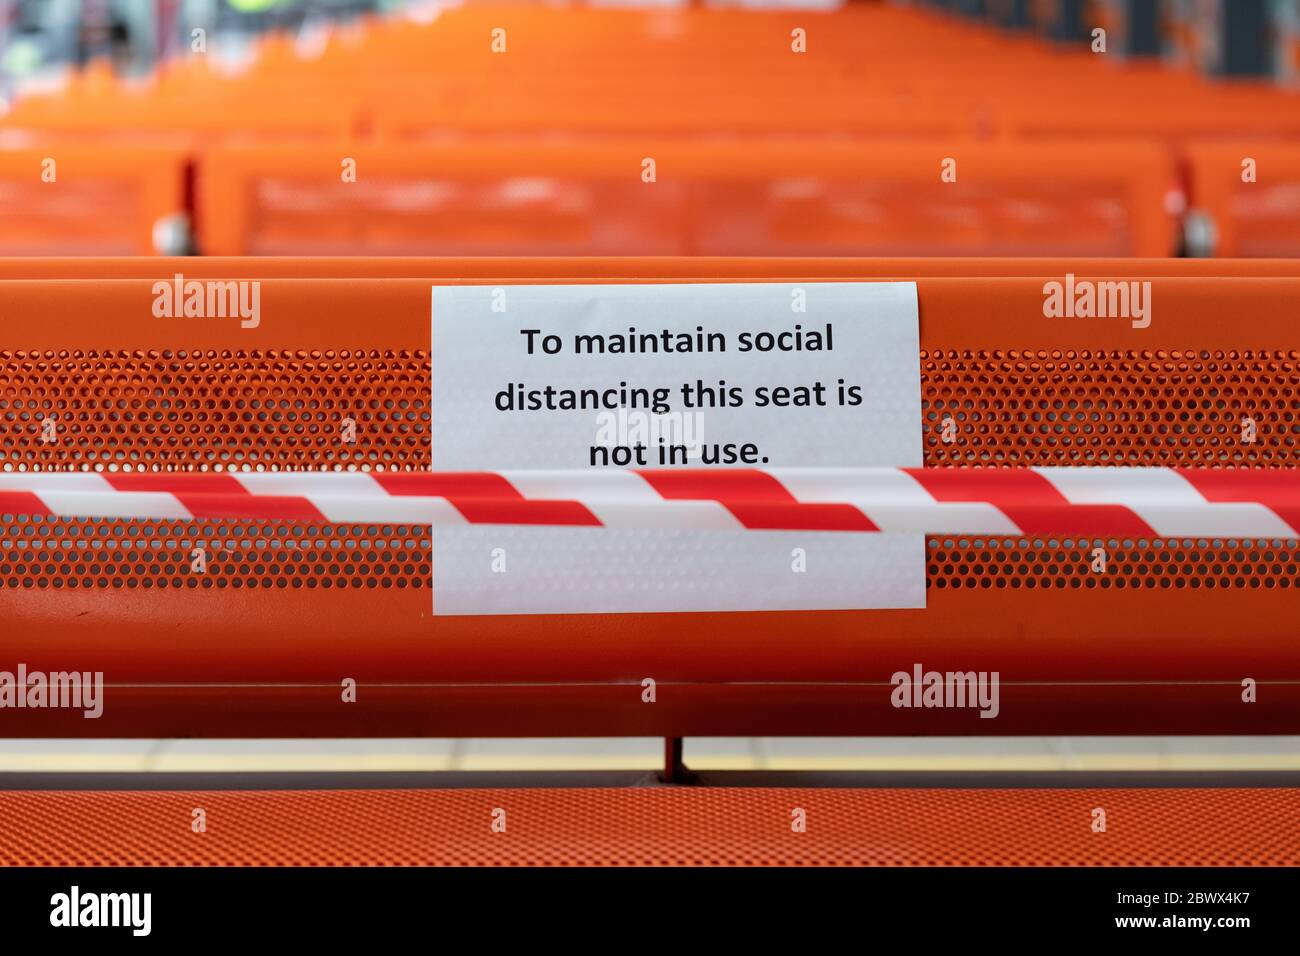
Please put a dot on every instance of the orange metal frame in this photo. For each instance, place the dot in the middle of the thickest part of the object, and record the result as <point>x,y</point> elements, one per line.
<point>632,268</point>
<point>783,197</point>
<point>262,661</point>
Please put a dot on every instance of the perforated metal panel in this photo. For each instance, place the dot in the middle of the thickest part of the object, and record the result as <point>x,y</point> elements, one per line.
<point>254,409</point>
<point>1190,563</point>
<point>1037,407</point>
<point>683,827</point>
<point>66,553</point>
<point>1127,408</point>
<point>206,409</point>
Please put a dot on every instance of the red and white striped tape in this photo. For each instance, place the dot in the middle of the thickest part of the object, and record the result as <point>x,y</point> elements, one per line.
<point>1148,502</point>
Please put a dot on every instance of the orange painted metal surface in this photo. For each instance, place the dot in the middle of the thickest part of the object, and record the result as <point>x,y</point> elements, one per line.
<point>87,200</point>
<point>1251,191</point>
<point>868,69</point>
<point>632,268</point>
<point>784,197</point>
<point>653,827</point>
<point>835,150</point>
<point>260,645</point>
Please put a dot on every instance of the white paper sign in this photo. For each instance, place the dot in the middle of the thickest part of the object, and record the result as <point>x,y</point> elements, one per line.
<point>672,375</point>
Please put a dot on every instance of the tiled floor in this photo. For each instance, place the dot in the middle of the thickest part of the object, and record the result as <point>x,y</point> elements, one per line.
<point>756,753</point>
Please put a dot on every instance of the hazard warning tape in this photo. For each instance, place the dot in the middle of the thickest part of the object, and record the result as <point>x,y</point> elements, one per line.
<point>1159,502</point>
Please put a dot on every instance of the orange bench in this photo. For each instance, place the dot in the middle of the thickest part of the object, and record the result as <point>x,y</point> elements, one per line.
<point>1259,218</point>
<point>271,631</point>
<point>92,201</point>
<point>784,198</point>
